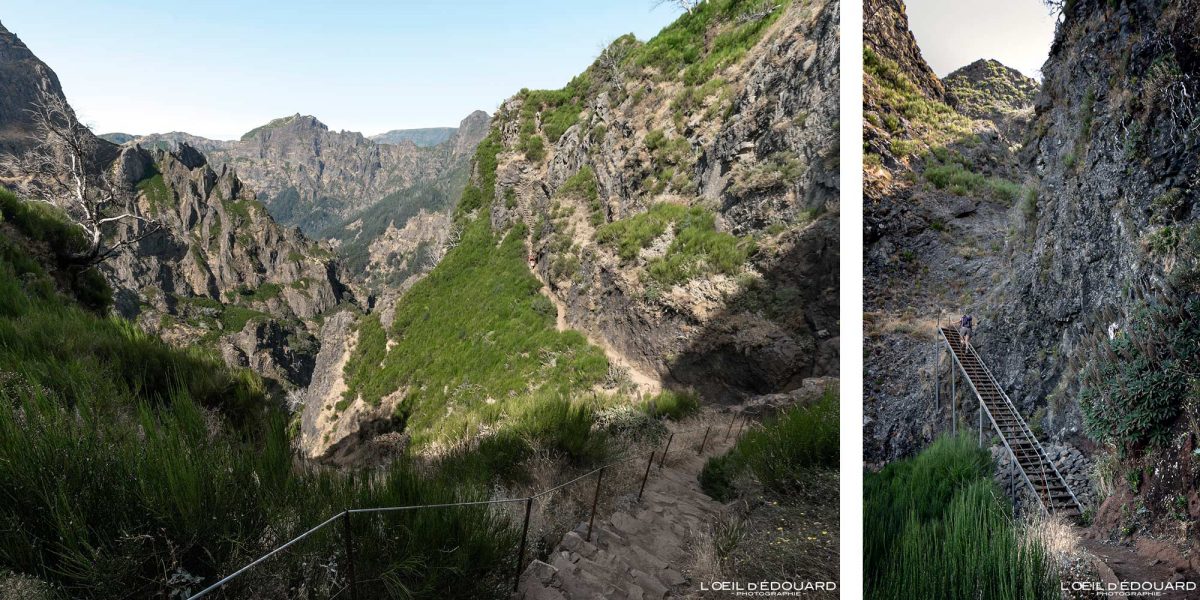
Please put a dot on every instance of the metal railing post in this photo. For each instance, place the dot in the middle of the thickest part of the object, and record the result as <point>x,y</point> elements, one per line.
<point>646,475</point>
<point>740,425</point>
<point>953,403</point>
<point>937,356</point>
<point>703,441</point>
<point>729,430</point>
<point>521,551</point>
<point>981,423</point>
<point>663,458</point>
<point>348,537</point>
<point>595,501</point>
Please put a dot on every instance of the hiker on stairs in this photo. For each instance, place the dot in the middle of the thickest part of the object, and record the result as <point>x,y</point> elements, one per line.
<point>965,325</point>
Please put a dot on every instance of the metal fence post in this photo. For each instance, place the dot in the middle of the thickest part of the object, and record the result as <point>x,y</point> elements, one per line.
<point>703,441</point>
<point>740,425</point>
<point>937,356</point>
<point>953,401</point>
<point>729,430</point>
<point>981,423</point>
<point>646,475</point>
<point>663,458</point>
<point>521,551</point>
<point>595,501</point>
<point>348,538</point>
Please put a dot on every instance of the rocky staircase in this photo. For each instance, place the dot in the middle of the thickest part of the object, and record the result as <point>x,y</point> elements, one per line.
<point>1036,469</point>
<point>640,552</point>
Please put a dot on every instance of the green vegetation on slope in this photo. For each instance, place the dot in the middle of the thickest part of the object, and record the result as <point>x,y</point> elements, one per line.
<point>156,192</point>
<point>131,468</point>
<point>689,44</point>
<point>784,476</point>
<point>929,123</point>
<point>940,528</point>
<point>780,453</point>
<point>697,249</point>
<point>475,341</point>
<point>471,342</point>
<point>953,172</point>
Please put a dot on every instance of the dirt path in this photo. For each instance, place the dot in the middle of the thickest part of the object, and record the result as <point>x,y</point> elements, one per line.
<point>1121,563</point>
<point>646,384</point>
<point>647,550</point>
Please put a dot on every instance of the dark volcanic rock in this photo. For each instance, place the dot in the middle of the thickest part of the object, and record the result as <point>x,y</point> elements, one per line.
<point>885,30</point>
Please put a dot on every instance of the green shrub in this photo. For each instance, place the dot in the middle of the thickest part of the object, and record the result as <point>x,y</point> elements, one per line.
<point>697,250</point>
<point>1004,189</point>
<point>672,405</point>
<point>582,184</point>
<point>42,223</point>
<point>718,476</point>
<point>533,148</point>
<point>940,528</point>
<point>781,452</point>
<point>1130,392</point>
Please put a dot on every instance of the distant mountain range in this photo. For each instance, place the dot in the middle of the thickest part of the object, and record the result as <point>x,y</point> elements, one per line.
<point>314,178</point>
<point>429,136</point>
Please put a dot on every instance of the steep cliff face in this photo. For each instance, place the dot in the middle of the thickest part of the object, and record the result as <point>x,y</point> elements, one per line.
<point>944,197</point>
<point>314,178</point>
<point>221,272</point>
<point>1083,284</point>
<point>22,76</point>
<point>1114,149</point>
<point>885,30</point>
<point>680,213</point>
<point>692,225</point>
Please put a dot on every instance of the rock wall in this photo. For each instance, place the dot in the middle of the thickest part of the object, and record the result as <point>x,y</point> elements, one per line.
<point>218,261</point>
<point>708,332</point>
<point>1113,134</point>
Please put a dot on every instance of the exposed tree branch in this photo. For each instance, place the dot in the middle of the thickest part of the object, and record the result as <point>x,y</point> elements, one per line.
<point>64,170</point>
<point>688,5</point>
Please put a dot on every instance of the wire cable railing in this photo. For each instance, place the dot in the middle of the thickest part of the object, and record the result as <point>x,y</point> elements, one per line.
<point>347,531</point>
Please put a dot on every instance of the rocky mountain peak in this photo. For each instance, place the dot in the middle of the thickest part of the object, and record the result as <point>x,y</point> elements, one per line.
<point>295,123</point>
<point>471,130</point>
<point>987,89</point>
<point>189,156</point>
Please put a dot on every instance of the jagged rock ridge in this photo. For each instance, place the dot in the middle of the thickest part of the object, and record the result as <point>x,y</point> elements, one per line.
<point>314,178</point>
<point>425,137</point>
<point>221,272</point>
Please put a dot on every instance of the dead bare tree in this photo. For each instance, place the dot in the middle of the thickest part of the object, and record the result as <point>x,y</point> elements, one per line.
<point>688,5</point>
<point>65,170</point>
<point>611,60</point>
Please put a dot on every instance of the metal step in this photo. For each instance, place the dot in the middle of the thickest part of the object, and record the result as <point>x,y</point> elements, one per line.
<point>1039,473</point>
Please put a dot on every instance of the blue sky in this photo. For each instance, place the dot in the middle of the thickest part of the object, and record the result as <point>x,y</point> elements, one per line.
<point>955,33</point>
<point>219,68</point>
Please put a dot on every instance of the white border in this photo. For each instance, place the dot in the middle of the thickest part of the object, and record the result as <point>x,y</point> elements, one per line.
<point>850,294</point>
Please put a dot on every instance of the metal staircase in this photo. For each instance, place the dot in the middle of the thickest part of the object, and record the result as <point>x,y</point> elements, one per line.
<point>1038,472</point>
